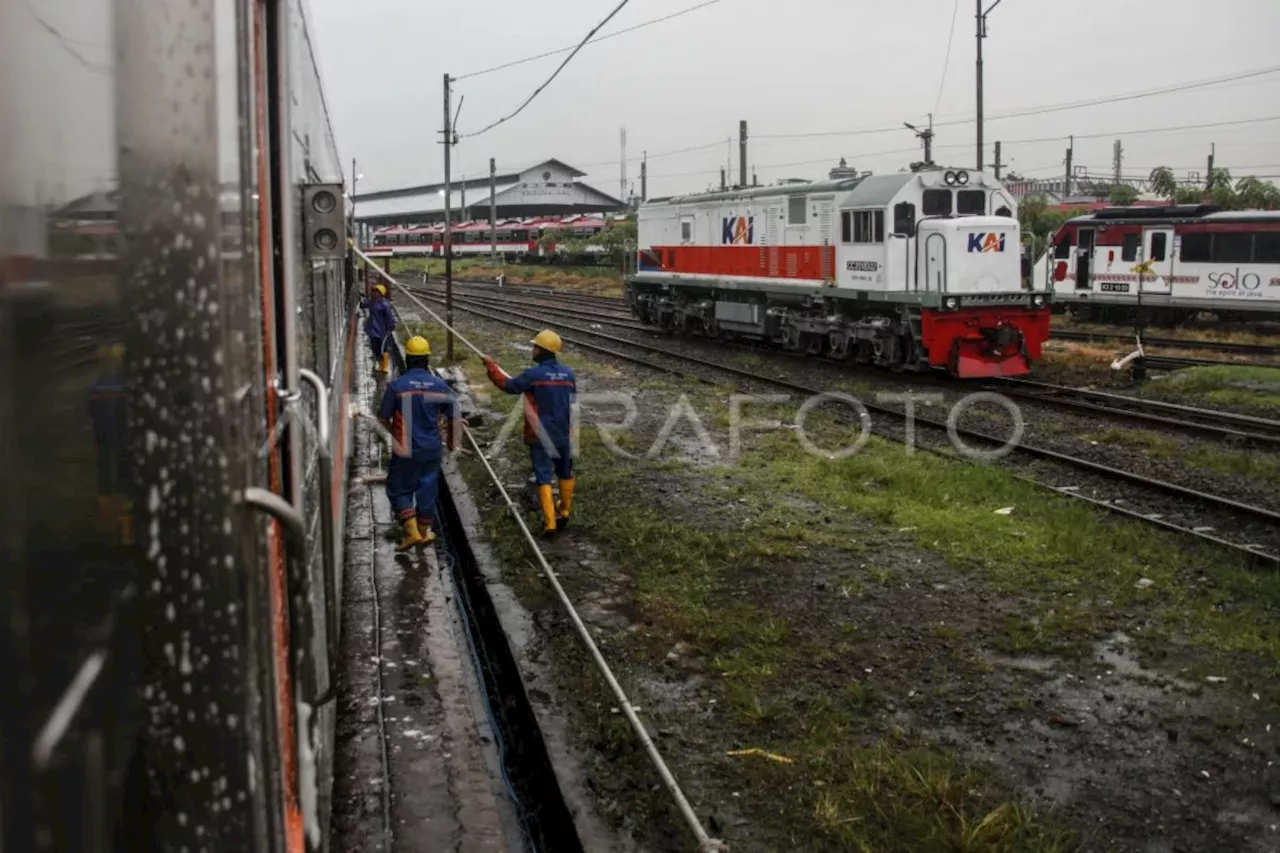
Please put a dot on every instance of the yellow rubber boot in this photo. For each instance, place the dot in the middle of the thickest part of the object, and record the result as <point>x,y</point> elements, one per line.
<point>412,536</point>
<point>385,365</point>
<point>424,528</point>
<point>566,501</point>
<point>548,501</point>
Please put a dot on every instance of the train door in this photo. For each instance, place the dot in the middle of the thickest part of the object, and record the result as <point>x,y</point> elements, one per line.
<point>935,263</point>
<point>1157,266</point>
<point>1084,258</point>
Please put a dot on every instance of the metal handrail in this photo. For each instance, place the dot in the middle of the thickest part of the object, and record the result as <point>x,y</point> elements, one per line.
<point>327,544</point>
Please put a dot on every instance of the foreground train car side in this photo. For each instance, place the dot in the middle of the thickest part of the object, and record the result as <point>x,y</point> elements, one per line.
<point>911,271</point>
<point>167,522</point>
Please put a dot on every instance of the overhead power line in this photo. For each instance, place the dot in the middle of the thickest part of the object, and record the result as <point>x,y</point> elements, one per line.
<point>951,36</point>
<point>554,74</point>
<point>606,37</point>
<point>1050,108</point>
<point>66,43</point>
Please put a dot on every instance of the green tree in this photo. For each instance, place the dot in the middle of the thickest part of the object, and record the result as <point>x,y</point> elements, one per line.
<point>1122,195</point>
<point>1163,183</point>
<point>1255,194</point>
<point>1187,195</point>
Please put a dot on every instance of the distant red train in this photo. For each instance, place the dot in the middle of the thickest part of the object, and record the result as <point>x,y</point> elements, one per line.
<point>517,239</point>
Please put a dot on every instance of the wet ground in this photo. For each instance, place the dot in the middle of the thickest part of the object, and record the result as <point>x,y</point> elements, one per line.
<point>1130,758</point>
<point>432,784</point>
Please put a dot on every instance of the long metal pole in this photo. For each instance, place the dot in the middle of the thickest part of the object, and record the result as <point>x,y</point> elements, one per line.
<point>979,79</point>
<point>742,153</point>
<point>355,228</point>
<point>493,210</point>
<point>448,224</point>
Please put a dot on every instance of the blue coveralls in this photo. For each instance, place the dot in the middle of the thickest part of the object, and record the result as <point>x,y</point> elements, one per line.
<point>548,388</point>
<point>413,404</point>
<point>107,412</point>
<point>381,322</point>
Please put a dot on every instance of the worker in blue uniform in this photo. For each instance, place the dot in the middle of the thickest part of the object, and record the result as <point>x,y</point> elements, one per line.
<point>107,413</point>
<point>379,325</point>
<point>412,408</point>
<point>549,388</point>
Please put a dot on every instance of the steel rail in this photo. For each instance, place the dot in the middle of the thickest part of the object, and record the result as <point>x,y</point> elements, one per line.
<point>1105,471</point>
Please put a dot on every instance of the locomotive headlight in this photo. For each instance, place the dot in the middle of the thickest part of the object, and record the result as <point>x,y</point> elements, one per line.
<point>950,178</point>
<point>962,178</point>
<point>952,302</point>
<point>1038,301</point>
<point>326,240</point>
<point>324,202</point>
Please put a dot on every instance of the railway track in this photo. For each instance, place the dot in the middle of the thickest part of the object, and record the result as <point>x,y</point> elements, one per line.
<point>1228,426</point>
<point>1169,343</point>
<point>1205,516</point>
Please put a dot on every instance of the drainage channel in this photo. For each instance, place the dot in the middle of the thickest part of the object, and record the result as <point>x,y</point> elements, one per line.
<point>522,753</point>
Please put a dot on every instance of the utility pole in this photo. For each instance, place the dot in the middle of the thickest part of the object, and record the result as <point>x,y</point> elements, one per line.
<point>493,210</point>
<point>355,179</point>
<point>622,182</point>
<point>1066,184</point>
<point>755,179</point>
<point>742,153</point>
<point>448,221</point>
<point>1117,163</point>
<point>723,184</point>
<point>998,165</point>
<point>1208,175</point>
<point>982,33</point>
<point>644,176</point>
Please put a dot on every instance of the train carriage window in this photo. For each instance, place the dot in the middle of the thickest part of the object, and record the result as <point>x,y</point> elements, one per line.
<point>937,202</point>
<point>795,210</point>
<point>1232,247</point>
<point>846,227</point>
<point>971,202</point>
<point>1196,248</point>
<point>1131,244</point>
<point>1159,246</point>
<point>1266,247</point>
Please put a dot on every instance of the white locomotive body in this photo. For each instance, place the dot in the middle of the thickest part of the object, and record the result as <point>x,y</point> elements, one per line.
<point>915,270</point>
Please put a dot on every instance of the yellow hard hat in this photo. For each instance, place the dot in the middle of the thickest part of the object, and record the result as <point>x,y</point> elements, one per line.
<point>417,345</point>
<point>381,288</point>
<point>548,340</point>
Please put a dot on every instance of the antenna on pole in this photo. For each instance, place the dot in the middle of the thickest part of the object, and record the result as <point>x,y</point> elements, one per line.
<point>925,136</point>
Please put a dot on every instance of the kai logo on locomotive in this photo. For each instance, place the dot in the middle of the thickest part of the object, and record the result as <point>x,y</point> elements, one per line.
<point>986,241</point>
<point>738,230</point>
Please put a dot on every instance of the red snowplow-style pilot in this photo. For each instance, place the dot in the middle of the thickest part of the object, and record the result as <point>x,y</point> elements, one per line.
<point>549,389</point>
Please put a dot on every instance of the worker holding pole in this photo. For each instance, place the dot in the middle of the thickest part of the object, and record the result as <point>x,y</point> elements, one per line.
<point>549,388</point>
<point>379,325</point>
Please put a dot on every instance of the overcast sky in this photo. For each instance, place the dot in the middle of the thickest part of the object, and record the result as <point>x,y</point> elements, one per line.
<point>795,66</point>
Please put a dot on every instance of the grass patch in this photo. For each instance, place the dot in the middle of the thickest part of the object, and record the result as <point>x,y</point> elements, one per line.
<point>599,280</point>
<point>1226,385</point>
<point>797,689</point>
<point>1236,463</point>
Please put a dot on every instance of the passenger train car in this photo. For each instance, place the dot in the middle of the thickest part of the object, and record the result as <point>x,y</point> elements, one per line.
<point>173,388</point>
<point>519,240</point>
<point>1174,262</point>
<point>911,271</point>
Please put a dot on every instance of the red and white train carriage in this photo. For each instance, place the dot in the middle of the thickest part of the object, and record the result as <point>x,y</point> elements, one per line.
<point>517,239</point>
<point>1174,262</point>
<point>912,271</point>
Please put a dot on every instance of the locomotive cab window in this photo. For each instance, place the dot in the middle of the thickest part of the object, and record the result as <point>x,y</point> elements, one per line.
<point>795,210</point>
<point>971,202</point>
<point>937,202</point>
<point>1131,244</point>
<point>904,218</point>
<point>868,226</point>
